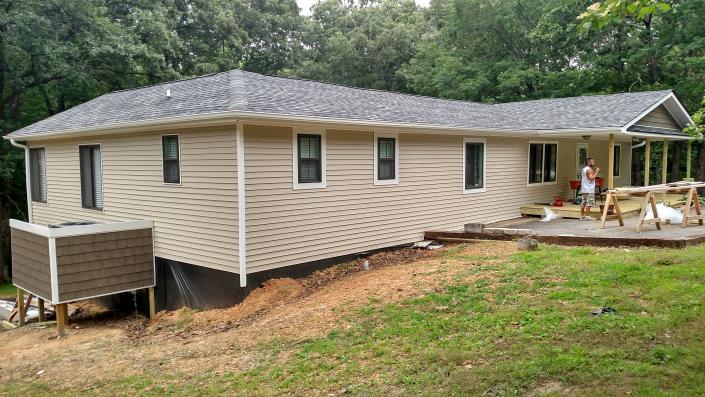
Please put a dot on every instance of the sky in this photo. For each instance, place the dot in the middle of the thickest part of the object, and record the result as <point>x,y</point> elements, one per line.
<point>305,5</point>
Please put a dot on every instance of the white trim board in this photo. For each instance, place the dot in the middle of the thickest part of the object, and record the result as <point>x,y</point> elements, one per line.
<point>80,230</point>
<point>241,202</point>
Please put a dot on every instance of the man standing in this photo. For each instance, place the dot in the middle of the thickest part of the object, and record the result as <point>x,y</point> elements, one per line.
<point>587,188</point>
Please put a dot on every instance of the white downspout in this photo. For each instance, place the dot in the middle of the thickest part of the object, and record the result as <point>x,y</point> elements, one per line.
<point>638,145</point>
<point>241,230</point>
<point>27,177</point>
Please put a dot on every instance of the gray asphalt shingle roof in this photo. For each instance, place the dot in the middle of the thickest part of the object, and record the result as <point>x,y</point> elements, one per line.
<point>244,91</point>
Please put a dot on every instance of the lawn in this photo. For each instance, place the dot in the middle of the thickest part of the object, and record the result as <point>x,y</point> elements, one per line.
<point>522,325</point>
<point>7,291</point>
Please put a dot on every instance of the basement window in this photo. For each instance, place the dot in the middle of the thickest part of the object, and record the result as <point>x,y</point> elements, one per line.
<point>171,153</point>
<point>91,177</point>
<point>543,158</point>
<point>309,160</point>
<point>38,174</point>
<point>386,161</point>
<point>474,166</point>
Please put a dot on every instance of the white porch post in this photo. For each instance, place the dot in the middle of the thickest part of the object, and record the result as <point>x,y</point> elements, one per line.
<point>647,161</point>
<point>610,163</point>
<point>689,159</point>
<point>664,173</point>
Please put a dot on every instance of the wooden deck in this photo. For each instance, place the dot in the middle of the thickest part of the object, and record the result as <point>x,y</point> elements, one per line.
<point>630,207</point>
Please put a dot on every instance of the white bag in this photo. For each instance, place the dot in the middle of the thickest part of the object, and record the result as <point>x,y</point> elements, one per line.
<point>673,215</point>
<point>549,215</point>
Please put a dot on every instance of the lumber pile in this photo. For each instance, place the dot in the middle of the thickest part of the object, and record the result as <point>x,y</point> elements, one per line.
<point>690,189</point>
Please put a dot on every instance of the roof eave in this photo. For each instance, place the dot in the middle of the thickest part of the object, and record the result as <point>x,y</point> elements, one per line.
<point>230,117</point>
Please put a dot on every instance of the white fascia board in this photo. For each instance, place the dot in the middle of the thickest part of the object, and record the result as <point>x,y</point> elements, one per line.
<point>228,118</point>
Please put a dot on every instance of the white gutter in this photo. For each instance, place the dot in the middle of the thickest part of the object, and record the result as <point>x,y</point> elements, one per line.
<point>26,177</point>
<point>659,136</point>
<point>241,197</point>
<point>225,118</point>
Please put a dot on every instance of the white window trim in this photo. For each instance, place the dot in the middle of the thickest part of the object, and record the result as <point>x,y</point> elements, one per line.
<point>383,182</point>
<point>543,156</point>
<point>46,177</point>
<point>295,163</point>
<point>102,176</point>
<point>161,145</point>
<point>484,164</point>
<point>617,164</point>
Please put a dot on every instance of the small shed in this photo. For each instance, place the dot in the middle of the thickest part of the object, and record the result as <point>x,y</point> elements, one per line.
<point>75,262</point>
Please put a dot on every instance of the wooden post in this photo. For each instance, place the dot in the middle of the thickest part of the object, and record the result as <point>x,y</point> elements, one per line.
<point>62,316</point>
<point>664,173</point>
<point>608,200</point>
<point>42,315</point>
<point>20,306</point>
<point>610,163</point>
<point>689,159</point>
<point>686,208</point>
<point>647,161</point>
<point>152,305</point>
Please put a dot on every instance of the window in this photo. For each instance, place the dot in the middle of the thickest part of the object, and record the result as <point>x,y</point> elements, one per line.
<point>581,157</point>
<point>309,160</point>
<point>38,176</point>
<point>617,159</point>
<point>474,166</point>
<point>542,162</point>
<point>386,162</point>
<point>91,177</point>
<point>170,159</point>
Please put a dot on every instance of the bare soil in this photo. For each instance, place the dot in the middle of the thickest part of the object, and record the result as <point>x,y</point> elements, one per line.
<point>105,346</point>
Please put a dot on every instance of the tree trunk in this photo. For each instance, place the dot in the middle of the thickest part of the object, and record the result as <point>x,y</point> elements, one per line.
<point>5,254</point>
<point>637,167</point>
<point>700,169</point>
<point>675,173</point>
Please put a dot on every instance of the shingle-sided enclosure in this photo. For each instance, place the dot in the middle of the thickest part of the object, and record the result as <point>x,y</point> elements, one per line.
<point>72,263</point>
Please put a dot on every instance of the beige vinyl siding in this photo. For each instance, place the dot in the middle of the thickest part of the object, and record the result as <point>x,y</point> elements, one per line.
<point>194,222</point>
<point>287,226</point>
<point>104,263</point>
<point>599,149</point>
<point>659,118</point>
<point>30,263</point>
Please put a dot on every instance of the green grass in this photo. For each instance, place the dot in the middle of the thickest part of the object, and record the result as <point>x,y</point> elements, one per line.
<point>522,328</point>
<point>7,291</point>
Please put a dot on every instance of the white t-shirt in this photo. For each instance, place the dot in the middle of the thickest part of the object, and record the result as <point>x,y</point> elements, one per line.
<point>586,185</point>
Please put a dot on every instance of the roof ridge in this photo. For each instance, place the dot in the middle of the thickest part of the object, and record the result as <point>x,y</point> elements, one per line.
<point>363,88</point>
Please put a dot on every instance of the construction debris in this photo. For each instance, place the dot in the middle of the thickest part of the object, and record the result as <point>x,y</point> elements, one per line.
<point>428,244</point>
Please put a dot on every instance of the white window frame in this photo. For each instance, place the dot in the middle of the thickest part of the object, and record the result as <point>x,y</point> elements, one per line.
<point>102,176</point>
<point>483,189</point>
<point>295,163</point>
<point>577,156</point>
<point>618,164</point>
<point>46,177</point>
<point>161,146</point>
<point>383,182</point>
<point>543,158</point>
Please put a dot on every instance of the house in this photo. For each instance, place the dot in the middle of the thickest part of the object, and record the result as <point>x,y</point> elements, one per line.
<point>243,176</point>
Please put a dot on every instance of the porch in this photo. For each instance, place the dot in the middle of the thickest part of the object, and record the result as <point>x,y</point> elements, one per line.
<point>70,262</point>
<point>571,232</point>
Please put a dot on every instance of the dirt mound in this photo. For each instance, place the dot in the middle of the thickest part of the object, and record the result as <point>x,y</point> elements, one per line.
<point>271,293</point>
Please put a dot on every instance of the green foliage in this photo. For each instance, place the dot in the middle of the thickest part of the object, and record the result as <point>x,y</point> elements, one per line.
<point>599,15</point>
<point>697,129</point>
